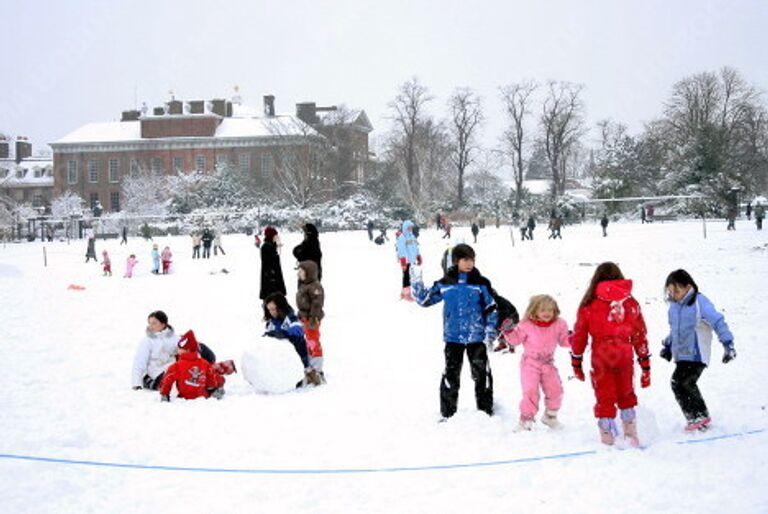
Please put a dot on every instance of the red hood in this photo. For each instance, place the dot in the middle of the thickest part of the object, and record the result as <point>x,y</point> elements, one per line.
<point>614,290</point>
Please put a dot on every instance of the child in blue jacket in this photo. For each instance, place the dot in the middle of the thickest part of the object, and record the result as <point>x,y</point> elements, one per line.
<point>692,318</point>
<point>469,324</point>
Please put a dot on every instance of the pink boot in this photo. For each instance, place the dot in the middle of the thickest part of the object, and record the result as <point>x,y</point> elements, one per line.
<point>629,423</point>
<point>406,295</point>
<point>698,425</point>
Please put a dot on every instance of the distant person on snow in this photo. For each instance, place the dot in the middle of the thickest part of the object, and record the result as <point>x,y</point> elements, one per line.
<point>271,270</point>
<point>217,244</point>
<point>540,333</point>
<point>604,224</point>
<point>475,230</point>
<point>130,263</point>
<point>531,224</point>
<point>207,242</point>
<point>310,299</point>
<point>382,237</point>
<point>469,325</point>
<point>193,376</point>
<point>106,263</point>
<point>155,259</point>
<point>692,318</point>
<point>196,242</point>
<point>165,258</point>
<point>611,317</point>
<point>408,255</point>
<point>309,248</point>
<point>282,323</point>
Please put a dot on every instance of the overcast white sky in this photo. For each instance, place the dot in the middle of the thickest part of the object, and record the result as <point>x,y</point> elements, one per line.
<point>68,63</point>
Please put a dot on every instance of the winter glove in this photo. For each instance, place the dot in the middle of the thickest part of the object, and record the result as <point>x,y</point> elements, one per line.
<point>666,354</point>
<point>418,260</point>
<point>730,352</point>
<point>645,365</point>
<point>217,393</point>
<point>313,323</point>
<point>507,325</point>
<point>165,398</point>
<point>276,335</point>
<point>137,388</point>
<point>403,263</point>
<point>578,371</point>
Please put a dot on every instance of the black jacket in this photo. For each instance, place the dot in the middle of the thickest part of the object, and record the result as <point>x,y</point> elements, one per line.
<point>271,272</point>
<point>309,249</point>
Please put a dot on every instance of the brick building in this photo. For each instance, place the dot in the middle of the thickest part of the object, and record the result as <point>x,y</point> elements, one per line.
<point>23,178</point>
<point>200,136</point>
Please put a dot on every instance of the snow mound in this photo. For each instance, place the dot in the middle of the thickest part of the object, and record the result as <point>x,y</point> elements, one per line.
<point>272,366</point>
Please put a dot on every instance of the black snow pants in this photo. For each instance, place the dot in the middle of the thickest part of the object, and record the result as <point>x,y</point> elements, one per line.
<point>686,391</point>
<point>481,374</point>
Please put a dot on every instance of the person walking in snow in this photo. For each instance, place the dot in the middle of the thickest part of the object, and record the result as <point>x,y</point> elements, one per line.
<point>124,240</point>
<point>611,317</point>
<point>207,241</point>
<point>271,270</point>
<point>217,244</point>
<point>309,248</point>
<point>475,230</point>
<point>692,318</point>
<point>759,216</point>
<point>531,225</point>
<point>310,298</point>
<point>197,241</point>
<point>106,264</point>
<point>555,224</point>
<point>540,333</point>
<point>193,376</point>
<point>408,255</point>
<point>155,259</point>
<point>604,224</point>
<point>369,228</point>
<point>90,252</point>
<point>282,323</point>
<point>130,263</point>
<point>469,326</point>
<point>166,257</point>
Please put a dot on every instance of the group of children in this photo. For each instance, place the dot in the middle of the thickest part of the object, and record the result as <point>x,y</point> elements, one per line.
<point>158,259</point>
<point>608,317</point>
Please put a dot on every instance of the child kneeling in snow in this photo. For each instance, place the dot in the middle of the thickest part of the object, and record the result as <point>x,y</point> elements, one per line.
<point>539,333</point>
<point>193,376</point>
<point>282,323</point>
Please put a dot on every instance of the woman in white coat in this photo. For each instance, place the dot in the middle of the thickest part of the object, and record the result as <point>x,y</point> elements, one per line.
<point>155,352</point>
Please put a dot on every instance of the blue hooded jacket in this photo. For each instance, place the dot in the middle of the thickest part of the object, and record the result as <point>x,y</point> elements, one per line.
<point>407,244</point>
<point>691,326</point>
<point>469,311</point>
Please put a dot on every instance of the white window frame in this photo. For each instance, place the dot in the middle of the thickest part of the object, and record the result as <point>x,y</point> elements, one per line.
<point>93,171</point>
<point>71,172</point>
<point>114,170</point>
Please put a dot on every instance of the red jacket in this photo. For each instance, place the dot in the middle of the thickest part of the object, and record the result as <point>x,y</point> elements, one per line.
<point>193,376</point>
<point>616,325</point>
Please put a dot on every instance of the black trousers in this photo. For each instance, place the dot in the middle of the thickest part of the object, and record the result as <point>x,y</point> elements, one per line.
<point>686,390</point>
<point>407,276</point>
<point>481,375</point>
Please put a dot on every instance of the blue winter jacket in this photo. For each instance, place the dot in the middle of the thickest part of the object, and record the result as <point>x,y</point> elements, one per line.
<point>691,326</point>
<point>407,244</point>
<point>287,327</point>
<point>469,311</point>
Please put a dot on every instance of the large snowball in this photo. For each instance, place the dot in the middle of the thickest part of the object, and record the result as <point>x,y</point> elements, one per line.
<point>272,366</point>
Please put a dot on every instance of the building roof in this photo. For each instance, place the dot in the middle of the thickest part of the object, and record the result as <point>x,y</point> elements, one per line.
<point>234,127</point>
<point>9,172</point>
<point>357,118</point>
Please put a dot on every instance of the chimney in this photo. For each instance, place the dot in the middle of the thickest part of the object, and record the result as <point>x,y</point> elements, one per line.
<point>307,112</point>
<point>219,106</point>
<point>158,111</point>
<point>229,109</point>
<point>269,105</point>
<point>23,149</point>
<point>175,107</point>
<point>5,147</point>
<point>196,107</point>
<point>130,115</point>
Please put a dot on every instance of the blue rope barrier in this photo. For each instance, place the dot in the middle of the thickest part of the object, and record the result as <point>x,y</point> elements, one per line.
<point>330,471</point>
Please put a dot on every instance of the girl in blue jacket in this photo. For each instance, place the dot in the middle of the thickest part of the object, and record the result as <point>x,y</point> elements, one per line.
<point>692,318</point>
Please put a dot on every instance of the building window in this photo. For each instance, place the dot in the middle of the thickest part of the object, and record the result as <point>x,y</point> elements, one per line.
<point>245,163</point>
<point>200,163</point>
<point>134,168</point>
<point>178,164</point>
<point>93,171</point>
<point>37,200</point>
<point>113,170</point>
<point>93,200</point>
<point>221,162</point>
<point>267,165</point>
<point>72,172</point>
<point>114,201</point>
<point>157,165</point>
<point>38,173</point>
<point>20,172</point>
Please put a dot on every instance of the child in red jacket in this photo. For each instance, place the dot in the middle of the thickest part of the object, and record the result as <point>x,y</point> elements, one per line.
<point>194,376</point>
<point>611,316</point>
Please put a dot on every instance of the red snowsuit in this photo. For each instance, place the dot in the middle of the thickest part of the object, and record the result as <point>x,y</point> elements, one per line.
<point>193,376</point>
<point>616,325</point>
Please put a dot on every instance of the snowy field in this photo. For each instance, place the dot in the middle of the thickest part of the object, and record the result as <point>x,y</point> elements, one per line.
<point>369,440</point>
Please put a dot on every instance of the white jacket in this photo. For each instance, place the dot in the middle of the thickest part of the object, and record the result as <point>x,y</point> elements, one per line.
<point>155,353</point>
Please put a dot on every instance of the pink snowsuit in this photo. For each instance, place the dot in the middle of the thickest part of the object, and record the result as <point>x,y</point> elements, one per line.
<point>537,366</point>
<point>129,265</point>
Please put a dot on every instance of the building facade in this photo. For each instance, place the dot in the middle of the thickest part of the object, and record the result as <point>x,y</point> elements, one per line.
<point>198,136</point>
<point>23,178</point>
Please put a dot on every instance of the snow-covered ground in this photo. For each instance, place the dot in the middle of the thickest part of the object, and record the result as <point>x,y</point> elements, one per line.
<point>66,357</point>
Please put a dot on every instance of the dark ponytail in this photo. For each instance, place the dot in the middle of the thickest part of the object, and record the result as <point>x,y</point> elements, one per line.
<point>160,316</point>
<point>680,277</point>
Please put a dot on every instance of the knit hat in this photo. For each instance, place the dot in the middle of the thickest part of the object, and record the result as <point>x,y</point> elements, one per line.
<point>462,251</point>
<point>270,233</point>
<point>189,342</point>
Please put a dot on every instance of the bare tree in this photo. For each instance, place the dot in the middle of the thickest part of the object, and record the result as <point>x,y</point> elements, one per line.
<point>300,160</point>
<point>466,116</point>
<point>562,123</point>
<point>409,116</point>
<point>517,99</point>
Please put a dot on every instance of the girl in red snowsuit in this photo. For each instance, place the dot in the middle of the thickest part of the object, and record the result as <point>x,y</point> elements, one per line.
<point>611,316</point>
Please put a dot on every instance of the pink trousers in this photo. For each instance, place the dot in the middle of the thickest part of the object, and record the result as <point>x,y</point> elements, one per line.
<point>538,375</point>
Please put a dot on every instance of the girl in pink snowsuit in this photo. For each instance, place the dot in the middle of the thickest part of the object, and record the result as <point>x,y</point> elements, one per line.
<point>166,259</point>
<point>540,332</point>
<point>129,265</point>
